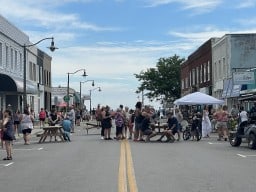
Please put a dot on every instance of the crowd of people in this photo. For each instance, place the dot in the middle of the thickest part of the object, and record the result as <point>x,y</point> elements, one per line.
<point>13,124</point>
<point>137,124</point>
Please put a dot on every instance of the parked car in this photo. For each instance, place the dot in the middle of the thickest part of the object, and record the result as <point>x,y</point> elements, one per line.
<point>246,131</point>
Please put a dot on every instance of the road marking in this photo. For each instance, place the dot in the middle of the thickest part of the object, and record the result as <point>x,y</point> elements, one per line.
<point>126,169</point>
<point>6,165</point>
<point>213,143</point>
<point>122,177</point>
<point>130,169</point>
<point>240,155</point>
<point>31,149</point>
<point>244,156</point>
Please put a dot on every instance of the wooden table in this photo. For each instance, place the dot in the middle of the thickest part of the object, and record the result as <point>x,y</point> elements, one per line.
<point>159,126</point>
<point>52,131</point>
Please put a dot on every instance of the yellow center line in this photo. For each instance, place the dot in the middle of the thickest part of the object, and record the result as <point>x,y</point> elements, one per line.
<point>122,178</point>
<point>130,169</point>
<point>126,169</point>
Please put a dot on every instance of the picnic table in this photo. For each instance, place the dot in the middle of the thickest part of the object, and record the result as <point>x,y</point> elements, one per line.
<point>91,126</point>
<point>159,126</point>
<point>52,131</point>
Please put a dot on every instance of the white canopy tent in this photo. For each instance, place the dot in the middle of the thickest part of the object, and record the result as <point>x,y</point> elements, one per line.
<point>197,98</point>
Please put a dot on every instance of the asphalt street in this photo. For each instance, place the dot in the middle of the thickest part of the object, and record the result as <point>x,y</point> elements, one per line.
<point>90,164</point>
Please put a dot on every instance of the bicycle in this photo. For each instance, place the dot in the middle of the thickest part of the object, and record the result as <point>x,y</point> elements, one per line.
<point>193,130</point>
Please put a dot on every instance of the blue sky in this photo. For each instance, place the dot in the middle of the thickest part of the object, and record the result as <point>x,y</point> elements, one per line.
<point>113,39</point>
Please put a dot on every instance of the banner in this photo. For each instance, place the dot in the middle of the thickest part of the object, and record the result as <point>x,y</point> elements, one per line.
<point>242,78</point>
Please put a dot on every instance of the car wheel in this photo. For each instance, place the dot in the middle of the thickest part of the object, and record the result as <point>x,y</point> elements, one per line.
<point>235,141</point>
<point>252,141</point>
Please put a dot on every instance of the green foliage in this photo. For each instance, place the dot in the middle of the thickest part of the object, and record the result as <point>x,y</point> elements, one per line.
<point>162,81</point>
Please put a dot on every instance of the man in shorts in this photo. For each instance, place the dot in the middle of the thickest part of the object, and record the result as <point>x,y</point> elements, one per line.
<point>145,128</point>
<point>171,130</point>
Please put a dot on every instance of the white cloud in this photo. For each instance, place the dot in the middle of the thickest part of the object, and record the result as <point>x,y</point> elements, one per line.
<point>109,60</point>
<point>246,4</point>
<point>247,22</point>
<point>204,6</point>
<point>42,14</point>
<point>207,32</point>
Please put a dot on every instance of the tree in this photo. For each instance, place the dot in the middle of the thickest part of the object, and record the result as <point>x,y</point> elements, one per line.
<point>162,81</point>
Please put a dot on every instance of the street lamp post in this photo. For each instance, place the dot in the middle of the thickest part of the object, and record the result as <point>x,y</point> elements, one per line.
<point>81,90</point>
<point>84,75</point>
<point>99,89</point>
<point>52,48</point>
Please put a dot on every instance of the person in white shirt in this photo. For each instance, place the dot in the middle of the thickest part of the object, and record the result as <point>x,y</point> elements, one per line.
<point>243,115</point>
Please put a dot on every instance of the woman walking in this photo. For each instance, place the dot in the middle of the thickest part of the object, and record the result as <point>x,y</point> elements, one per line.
<point>26,126</point>
<point>206,123</point>
<point>8,133</point>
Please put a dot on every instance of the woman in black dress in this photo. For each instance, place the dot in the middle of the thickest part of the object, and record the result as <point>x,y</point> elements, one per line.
<point>8,133</point>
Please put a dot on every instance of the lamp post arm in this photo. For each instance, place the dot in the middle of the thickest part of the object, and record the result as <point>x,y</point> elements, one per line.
<point>52,48</point>
<point>91,97</point>
<point>68,83</point>
<point>81,105</point>
<point>77,71</point>
<point>86,81</point>
<point>94,89</point>
<point>30,45</point>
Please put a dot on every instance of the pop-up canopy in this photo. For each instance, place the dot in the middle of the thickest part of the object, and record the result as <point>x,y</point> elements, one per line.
<point>197,98</point>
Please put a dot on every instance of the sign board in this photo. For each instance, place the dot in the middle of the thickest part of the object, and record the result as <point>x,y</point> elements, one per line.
<point>66,98</point>
<point>226,83</point>
<point>236,91</point>
<point>242,78</point>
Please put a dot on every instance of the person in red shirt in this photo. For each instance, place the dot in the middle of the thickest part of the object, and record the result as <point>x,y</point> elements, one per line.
<point>222,122</point>
<point>42,117</point>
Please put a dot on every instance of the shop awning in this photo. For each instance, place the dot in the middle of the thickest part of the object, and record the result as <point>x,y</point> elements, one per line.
<point>31,86</point>
<point>62,105</point>
<point>248,98</point>
<point>15,84</point>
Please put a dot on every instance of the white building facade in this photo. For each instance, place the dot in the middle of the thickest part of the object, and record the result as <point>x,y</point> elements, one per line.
<point>12,42</point>
<point>232,53</point>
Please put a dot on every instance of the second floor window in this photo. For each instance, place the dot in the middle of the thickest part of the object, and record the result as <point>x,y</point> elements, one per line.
<point>7,56</point>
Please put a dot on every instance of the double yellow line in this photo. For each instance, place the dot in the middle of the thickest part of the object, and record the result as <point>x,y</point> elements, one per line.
<point>126,177</point>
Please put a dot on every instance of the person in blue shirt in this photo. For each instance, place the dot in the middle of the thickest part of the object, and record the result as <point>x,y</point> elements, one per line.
<point>66,125</point>
<point>171,130</point>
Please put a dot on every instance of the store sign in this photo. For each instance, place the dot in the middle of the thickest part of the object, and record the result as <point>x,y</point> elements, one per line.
<point>242,78</point>
<point>226,87</point>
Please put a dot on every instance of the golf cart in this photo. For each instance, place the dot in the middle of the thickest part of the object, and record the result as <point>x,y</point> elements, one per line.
<point>244,130</point>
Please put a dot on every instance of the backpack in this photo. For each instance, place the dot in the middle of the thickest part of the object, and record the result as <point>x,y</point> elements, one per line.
<point>119,121</point>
